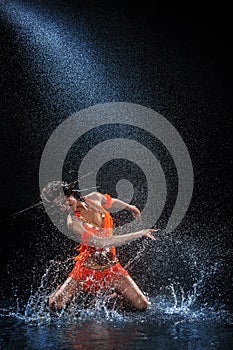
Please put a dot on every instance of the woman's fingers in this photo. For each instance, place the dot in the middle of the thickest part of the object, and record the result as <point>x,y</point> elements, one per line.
<point>135,212</point>
<point>151,236</point>
<point>148,234</point>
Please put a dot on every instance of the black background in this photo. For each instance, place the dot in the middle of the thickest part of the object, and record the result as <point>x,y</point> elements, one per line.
<point>175,60</point>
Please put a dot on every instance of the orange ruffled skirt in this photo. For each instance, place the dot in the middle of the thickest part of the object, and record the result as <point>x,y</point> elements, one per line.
<point>94,280</point>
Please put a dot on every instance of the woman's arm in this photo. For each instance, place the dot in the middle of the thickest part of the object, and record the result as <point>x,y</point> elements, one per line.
<point>118,204</point>
<point>100,199</point>
<point>116,241</point>
<point>75,225</point>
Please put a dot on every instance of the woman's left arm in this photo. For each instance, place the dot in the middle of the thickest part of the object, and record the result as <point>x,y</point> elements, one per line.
<point>118,204</point>
<point>102,200</point>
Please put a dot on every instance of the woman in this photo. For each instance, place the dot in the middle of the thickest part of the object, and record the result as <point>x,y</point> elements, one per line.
<point>96,267</point>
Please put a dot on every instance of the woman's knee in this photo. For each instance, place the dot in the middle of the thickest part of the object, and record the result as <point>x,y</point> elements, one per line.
<point>142,303</point>
<point>55,302</point>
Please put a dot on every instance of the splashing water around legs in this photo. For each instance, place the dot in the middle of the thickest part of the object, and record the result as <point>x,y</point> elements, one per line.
<point>179,315</point>
<point>174,297</point>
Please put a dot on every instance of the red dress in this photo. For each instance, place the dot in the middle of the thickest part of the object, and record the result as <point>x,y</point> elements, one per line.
<point>104,267</point>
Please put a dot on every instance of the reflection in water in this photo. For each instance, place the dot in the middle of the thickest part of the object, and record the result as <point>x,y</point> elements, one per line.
<point>151,330</point>
<point>98,336</point>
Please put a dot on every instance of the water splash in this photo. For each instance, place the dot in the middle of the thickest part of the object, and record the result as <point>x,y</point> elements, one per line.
<point>182,302</point>
<point>180,305</point>
<point>182,273</point>
<point>83,308</point>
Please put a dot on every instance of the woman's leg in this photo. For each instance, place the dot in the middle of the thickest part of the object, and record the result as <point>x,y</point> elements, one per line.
<point>125,286</point>
<point>64,293</point>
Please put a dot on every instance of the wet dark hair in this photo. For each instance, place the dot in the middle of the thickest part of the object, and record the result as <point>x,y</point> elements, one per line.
<point>70,189</point>
<point>59,189</point>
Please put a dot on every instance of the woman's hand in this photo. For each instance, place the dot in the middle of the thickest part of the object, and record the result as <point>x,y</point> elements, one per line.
<point>135,211</point>
<point>148,234</point>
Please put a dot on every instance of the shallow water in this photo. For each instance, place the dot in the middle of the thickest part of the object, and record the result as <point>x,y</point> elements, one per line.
<point>171,322</point>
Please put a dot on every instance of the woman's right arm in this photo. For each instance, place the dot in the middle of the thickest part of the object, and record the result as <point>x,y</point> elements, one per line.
<point>117,241</point>
<point>76,226</point>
